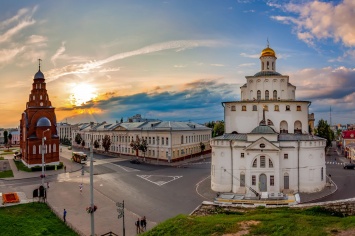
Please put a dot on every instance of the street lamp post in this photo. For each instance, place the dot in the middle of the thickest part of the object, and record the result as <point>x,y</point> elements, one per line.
<point>43,150</point>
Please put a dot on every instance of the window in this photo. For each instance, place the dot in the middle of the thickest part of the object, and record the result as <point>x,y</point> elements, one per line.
<point>285,156</point>
<point>255,108</point>
<point>258,95</point>
<point>321,174</point>
<point>242,180</point>
<point>271,165</point>
<point>150,140</point>
<point>266,94</point>
<point>233,108</point>
<point>167,141</point>
<point>267,63</point>
<point>266,108</point>
<point>242,155</point>
<point>274,95</point>
<point>34,149</point>
<point>288,108</point>
<point>262,145</point>
<point>262,161</point>
<point>253,180</point>
<point>244,108</point>
<point>298,108</point>
<point>255,163</point>
<point>276,108</point>
<point>272,180</point>
<point>54,148</point>
<point>153,140</point>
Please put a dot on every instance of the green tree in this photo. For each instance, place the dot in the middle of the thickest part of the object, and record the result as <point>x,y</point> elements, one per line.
<point>202,146</point>
<point>78,138</point>
<point>135,145</point>
<point>96,144</point>
<point>83,143</point>
<point>6,137</point>
<point>218,129</point>
<point>143,146</point>
<point>323,130</point>
<point>106,142</point>
<point>10,139</point>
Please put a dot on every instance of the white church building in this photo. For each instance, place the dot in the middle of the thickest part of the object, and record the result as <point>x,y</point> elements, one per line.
<point>267,146</point>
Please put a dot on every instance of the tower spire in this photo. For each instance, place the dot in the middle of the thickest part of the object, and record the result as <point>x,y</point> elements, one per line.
<point>39,63</point>
<point>267,40</point>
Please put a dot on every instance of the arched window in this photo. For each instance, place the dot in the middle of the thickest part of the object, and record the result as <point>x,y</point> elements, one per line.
<point>244,108</point>
<point>276,108</point>
<point>288,108</point>
<point>284,127</point>
<point>267,65</point>
<point>298,127</point>
<point>271,165</point>
<point>251,95</point>
<point>266,108</point>
<point>49,149</point>
<point>233,108</point>
<point>255,108</point>
<point>34,149</point>
<point>266,94</point>
<point>40,97</point>
<point>182,139</point>
<point>255,163</point>
<point>262,66</point>
<point>258,96</point>
<point>274,95</point>
<point>54,148</point>
<point>298,108</point>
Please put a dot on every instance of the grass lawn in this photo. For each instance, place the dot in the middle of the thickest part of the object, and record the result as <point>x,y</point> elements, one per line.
<point>31,219</point>
<point>6,174</point>
<point>279,221</point>
<point>21,166</point>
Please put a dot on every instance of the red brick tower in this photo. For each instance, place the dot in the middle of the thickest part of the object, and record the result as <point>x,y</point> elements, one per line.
<point>38,121</point>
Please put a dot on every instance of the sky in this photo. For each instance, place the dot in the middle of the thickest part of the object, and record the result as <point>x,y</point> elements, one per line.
<point>175,60</point>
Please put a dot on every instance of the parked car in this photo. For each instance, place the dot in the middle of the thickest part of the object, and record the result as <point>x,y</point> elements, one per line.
<point>349,166</point>
<point>135,161</point>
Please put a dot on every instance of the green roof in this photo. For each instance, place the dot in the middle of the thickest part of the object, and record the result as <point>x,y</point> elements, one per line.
<point>263,129</point>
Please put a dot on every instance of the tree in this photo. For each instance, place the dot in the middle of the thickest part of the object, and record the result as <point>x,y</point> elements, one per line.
<point>218,129</point>
<point>96,144</point>
<point>323,130</point>
<point>135,144</point>
<point>78,138</point>
<point>143,146</point>
<point>10,139</point>
<point>83,143</point>
<point>6,137</point>
<point>106,142</point>
<point>202,146</point>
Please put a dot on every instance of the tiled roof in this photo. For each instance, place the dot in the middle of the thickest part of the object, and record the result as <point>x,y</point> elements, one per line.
<point>242,137</point>
<point>266,73</point>
<point>301,137</point>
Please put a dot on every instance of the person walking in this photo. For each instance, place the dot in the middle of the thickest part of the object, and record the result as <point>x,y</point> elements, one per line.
<point>64,215</point>
<point>138,228</point>
<point>144,223</point>
<point>65,169</point>
<point>81,188</point>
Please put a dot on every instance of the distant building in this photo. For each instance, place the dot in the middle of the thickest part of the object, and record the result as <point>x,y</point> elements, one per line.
<point>167,140</point>
<point>267,146</point>
<point>39,121</point>
<point>347,137</point>
<point>138,118</point>
<point>64,131</point>
<point>15,137</point>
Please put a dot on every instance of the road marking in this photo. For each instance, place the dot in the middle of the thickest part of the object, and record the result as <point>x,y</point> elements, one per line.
<point>198,185</point>
<point>127,170</point>
<point>157,179</point>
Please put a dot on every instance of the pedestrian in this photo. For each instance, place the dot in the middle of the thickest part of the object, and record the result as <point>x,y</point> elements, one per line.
<point>144,223</point>
<point>138,229</point>
<point>47,184</point>
<point>65,169</point>
<point>64,215</point>
<point>81,187</point>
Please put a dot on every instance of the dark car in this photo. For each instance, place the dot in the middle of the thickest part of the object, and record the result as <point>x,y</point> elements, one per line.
<point>349,166</point>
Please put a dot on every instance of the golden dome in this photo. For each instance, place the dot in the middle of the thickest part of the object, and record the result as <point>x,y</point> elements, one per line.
<point>268,52</point>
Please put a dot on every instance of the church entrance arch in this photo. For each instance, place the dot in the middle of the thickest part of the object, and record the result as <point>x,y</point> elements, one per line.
<point>262,183</point>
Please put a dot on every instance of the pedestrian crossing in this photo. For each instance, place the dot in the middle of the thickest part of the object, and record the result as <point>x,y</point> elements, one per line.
<point>334,163</point>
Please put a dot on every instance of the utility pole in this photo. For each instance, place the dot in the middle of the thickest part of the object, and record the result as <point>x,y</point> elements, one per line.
<point>92,188</point>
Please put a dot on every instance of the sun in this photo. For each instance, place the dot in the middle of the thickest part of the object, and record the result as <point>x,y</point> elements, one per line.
<point>82,93</point>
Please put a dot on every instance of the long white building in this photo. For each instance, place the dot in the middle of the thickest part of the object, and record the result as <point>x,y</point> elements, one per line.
<point>167,140</point>
<point>267,146</point>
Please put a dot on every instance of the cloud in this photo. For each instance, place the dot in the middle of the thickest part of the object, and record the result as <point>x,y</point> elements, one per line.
<point>179,66</point>
<point>94,65</point>
<point>218,65</point>
<point>34,39</point>
<point>204,96</point>
<point>7,55</point>
<point>317,20</point>
<point>246,64</point>
<point>59,52</point>
<point>250,55</point>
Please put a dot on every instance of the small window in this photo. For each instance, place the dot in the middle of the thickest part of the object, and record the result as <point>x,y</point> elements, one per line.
<point>262,162</point>
<point>242,155</point>
<point>233,108</point>
<point>266,108</point>
<point>253,180</point>
<point>288,108</point>
<point>255,108</point>
<point>276,108</point>
<point>272,180</point>
<point>244,108</point>
<point>285,156</point>
<point>298,108</point>
<point>271,165</point>
<point>255,163</point>
<point>262,145</point>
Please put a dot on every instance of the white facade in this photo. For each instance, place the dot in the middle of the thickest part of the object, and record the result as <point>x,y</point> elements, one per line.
<point>64,130</point>
<point>167,141</point>
<point>267,146</point>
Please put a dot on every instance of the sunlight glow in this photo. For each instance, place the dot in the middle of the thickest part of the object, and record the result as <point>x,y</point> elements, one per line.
<point>82,93</point>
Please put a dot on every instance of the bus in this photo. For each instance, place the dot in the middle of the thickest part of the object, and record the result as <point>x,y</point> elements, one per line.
<point>79,157</point>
